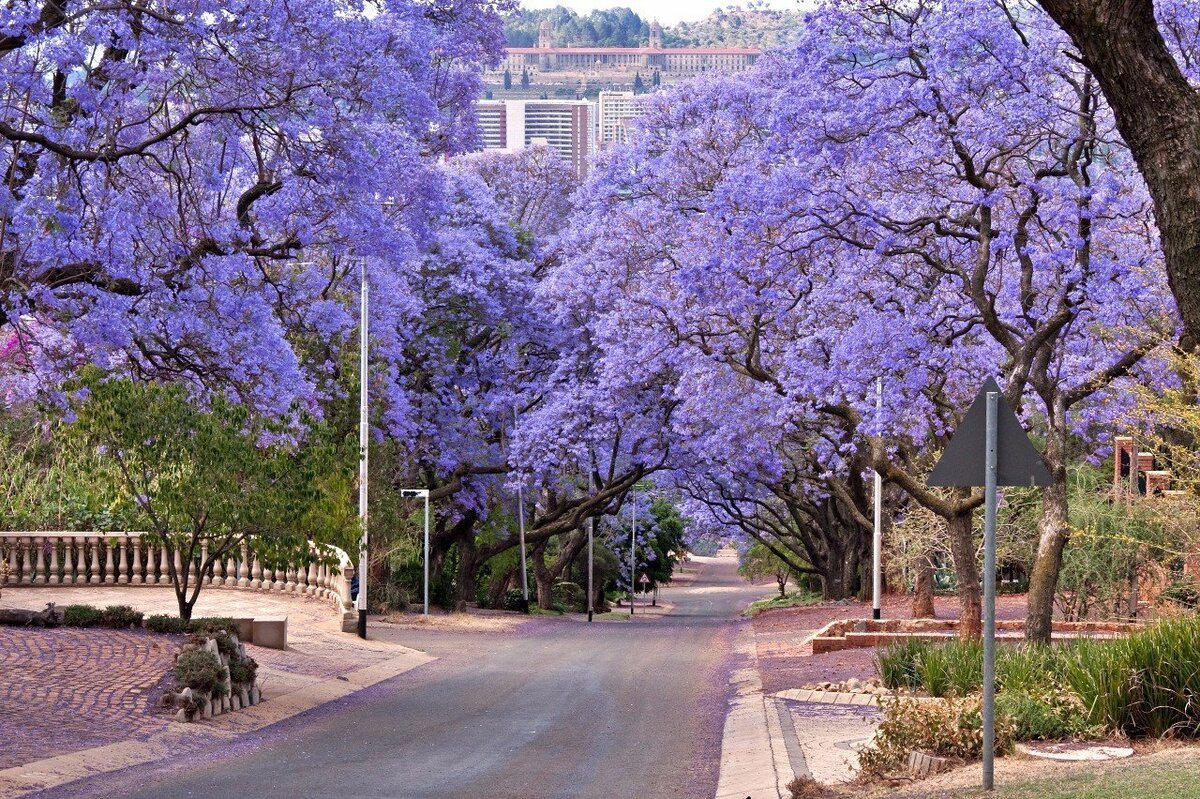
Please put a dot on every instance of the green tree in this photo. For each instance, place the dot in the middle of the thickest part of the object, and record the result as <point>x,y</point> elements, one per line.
<point>507,79</point>
<point>638,84</point>
<point>205,480</point>
<point>524,78</point>
<point>758,561</point>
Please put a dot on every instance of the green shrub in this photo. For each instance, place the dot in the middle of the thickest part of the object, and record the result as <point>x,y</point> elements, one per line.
<point>201,671</point>
<point>225,642</point>
<point>951,728</point>
<point>514,599</point>
<point>120,617</point>
<point>1045,714</point>
<point>166,624</point>
<point>243,671</point>
<point>213,624</point>
<point>81,616</point>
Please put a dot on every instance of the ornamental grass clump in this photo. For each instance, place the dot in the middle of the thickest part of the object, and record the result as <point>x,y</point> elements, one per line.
<point>897,664</point>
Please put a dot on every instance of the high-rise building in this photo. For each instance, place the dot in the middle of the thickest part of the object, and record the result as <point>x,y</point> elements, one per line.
<point>617,110</point>
<point>567,126</point>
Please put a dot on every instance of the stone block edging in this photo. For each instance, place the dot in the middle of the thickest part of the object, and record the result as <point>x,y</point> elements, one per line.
<point>843,697</point>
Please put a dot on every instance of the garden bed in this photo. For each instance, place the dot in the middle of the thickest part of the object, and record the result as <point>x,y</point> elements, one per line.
<point>868,633</point>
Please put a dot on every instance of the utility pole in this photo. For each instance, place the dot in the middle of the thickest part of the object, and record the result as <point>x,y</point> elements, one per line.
<point>364,443</point>
<point>877,544</point>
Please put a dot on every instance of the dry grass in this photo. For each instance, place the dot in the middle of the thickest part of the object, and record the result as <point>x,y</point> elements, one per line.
<point>482,622</point>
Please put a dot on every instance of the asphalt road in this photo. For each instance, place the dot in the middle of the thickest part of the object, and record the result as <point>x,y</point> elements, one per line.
<point>560,708</point>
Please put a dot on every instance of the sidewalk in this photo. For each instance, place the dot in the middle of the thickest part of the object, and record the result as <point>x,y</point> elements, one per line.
<point>82,702</point>
<point>770,738</point>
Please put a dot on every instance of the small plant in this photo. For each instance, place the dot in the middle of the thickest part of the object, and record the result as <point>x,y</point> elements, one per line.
<point>211,625</point>
<point>81,616</point>
<point>806,787</point>
<point>120,617</point>
<point>952,728</point>
<point>243,671</point>
<point>201,671</point>
<point>166,624</point>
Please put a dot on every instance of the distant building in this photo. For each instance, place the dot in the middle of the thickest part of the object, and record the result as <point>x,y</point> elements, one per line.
<point>616,111</point>
<point>674,62</point>
<point>567,126</point>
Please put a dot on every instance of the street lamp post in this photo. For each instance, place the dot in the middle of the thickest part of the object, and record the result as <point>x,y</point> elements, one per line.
<point>591,536</point>
<point>422,493</point>
<point>363,445</point>
<point>877,539</point>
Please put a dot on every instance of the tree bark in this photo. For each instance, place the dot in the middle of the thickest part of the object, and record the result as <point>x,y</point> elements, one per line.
<point>542,577</point>
<point>1053,530</point>
<point>970,601</point>
<point>1158,114</point>
<point>922,606</point>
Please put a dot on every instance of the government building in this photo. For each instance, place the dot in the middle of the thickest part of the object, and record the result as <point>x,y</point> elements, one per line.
<point>675,62</point>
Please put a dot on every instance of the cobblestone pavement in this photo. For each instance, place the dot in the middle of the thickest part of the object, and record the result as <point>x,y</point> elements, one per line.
<point>64,690</point>
<point>67,689</point>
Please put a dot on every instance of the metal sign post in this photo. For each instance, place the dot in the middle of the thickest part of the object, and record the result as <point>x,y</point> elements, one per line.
<point>632,551</point>
<point>1008,459</point>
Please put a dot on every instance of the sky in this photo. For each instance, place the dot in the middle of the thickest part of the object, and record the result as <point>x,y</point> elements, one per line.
<point>668,12</point>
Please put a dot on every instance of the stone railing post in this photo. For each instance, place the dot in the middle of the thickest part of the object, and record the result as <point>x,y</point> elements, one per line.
<point>122,562</point>
<point>257,572</point>
<point>112,571</point>
<point>13,574</point>
<point>204,576</point>
<point>244,567</point>
<point>95,578</point>
<point>39,544</point>
<point>26,563</point>
<point>81,560</point>
<point>53,576</point>
<point>290,585</point>
<point>136,573</point>
<point>164,567</point>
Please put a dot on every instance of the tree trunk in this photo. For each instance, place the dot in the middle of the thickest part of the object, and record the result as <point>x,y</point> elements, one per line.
<point>922,606</point>
<point>498,587</point>
<point>542,577</point>
<point>467,570</point>
<point>836,573</point>
<point>970,602</point>
<point>1158,114</point>
<point>1053,531</point>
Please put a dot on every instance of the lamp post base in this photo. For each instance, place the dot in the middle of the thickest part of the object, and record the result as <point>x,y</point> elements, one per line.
<point>362,623</point>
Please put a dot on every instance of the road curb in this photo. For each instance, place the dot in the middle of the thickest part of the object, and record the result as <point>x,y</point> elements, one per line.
<point>754,756</point>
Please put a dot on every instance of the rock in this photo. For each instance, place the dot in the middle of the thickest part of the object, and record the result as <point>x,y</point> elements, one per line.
<point>244,697</point>
<point>186,695</point>
<point>852,685</point>
<point>182,715</point>
<point>235,702</point>
<point>255,697</point>
<point>225,706</point>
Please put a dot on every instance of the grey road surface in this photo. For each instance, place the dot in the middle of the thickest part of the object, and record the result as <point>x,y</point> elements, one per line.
<point>560,708</point>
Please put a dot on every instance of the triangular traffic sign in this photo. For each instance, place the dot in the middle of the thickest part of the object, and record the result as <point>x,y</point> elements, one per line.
<point>1017,462</point>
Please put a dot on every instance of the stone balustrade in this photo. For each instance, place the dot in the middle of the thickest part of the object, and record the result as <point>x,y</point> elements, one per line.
<point>136,559</point>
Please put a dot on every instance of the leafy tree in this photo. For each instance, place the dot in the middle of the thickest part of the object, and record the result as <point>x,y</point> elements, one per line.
<point>759,561</point>
<point>205,480</point>
<point>507,79</point>
<point>638,84</point>
<point>1143,55</point>
<point>524,78</point>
